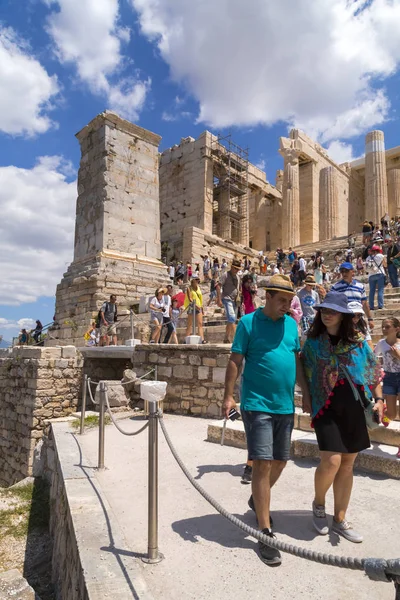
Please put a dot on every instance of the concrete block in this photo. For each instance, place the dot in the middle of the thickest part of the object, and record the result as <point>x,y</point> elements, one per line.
<point>153,390</point>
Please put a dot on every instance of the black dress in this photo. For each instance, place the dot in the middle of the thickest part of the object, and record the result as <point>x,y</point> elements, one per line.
<point>342,427</point>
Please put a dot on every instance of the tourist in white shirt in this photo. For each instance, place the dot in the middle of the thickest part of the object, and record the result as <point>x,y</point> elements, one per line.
<point>302,268</point>
<point>375,266</point>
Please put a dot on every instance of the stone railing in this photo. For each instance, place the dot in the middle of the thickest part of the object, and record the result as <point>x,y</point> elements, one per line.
<point>36,384</point>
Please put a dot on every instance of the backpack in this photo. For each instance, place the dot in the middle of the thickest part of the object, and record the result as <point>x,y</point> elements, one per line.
<point>98,319</point>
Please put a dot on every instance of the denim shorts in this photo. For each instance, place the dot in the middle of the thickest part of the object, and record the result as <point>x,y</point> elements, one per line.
<point>230,310</point>
<point>391,384</point>
<point>268,435</point>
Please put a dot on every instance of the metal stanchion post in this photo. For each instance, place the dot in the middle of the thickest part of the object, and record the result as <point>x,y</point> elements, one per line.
<point>155,373</point>
<point>102,406</point>
<point>83,407</point>
<point>132,327</point>
<point>153,555</point>
<point>194,316</point>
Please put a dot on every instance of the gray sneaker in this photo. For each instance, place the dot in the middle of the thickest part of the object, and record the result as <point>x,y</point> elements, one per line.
<point>345,529</point>
<point>320,520</point>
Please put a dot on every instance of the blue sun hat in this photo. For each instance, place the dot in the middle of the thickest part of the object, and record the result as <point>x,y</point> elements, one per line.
<point>335,301</point>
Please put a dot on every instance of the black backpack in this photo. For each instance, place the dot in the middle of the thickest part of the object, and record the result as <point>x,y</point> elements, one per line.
<point>98,319</point>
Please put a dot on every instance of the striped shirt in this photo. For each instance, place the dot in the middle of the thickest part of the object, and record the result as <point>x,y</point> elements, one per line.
<point>355,291</point>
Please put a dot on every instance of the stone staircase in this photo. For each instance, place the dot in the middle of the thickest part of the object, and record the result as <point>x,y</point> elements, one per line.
<point>379,458</point>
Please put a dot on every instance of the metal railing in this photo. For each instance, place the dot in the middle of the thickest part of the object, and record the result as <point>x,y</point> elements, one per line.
<point>376,569</point>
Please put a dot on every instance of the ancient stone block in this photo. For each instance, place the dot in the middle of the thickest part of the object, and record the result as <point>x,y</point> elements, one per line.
<point>183,372</point>
<point>219,375</point>
<point>203,372</point>
<point>209,362</point>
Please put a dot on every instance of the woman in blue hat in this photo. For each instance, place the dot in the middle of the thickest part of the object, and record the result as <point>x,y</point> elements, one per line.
<point>344,377</point>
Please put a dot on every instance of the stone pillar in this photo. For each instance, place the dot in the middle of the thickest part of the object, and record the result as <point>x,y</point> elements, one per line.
<point>117,228</point>
<point>291,200</point>
<point>244,222</point>
<point>328,204</point>
<point>224,219</point>
<point>394,191</point>
<point>376,192</point>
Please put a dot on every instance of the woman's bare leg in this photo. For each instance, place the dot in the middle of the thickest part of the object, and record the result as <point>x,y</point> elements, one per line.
<point>343,485</point>
<point>325,475</point>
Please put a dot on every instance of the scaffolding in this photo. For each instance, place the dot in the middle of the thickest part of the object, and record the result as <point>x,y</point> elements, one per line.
<point>230,189</point>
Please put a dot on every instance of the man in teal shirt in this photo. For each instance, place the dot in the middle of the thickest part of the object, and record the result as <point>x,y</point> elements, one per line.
<point>268,340</point>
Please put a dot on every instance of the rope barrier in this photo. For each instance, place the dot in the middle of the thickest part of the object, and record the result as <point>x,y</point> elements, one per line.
<point>116,424</point>
<point>375,568</point>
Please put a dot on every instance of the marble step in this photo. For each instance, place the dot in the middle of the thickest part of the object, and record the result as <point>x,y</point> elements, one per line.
<point>379,458</point>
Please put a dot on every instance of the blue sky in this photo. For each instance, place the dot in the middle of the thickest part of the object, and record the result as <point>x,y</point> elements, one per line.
<point>254,69</point>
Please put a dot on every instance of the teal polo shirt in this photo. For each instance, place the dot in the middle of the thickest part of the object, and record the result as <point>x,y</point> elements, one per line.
<point>269,375</point>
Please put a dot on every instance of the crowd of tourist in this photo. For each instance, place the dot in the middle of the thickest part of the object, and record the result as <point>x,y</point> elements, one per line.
<point>318,324</point>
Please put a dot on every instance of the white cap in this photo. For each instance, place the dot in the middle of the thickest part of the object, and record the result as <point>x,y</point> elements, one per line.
<point>356,308</point>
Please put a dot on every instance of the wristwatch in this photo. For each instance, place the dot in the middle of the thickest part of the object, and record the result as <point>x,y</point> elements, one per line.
<point>379,398</point>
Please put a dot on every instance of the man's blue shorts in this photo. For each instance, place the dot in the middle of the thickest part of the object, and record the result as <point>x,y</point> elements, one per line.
<point>268,435</point>
<point>230,310</point>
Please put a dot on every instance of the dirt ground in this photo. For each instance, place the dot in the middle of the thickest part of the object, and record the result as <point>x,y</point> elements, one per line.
<point>24,536</point>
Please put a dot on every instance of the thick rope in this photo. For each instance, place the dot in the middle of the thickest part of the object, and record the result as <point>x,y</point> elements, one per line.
<point>116,424</point>
<point>376,569</point>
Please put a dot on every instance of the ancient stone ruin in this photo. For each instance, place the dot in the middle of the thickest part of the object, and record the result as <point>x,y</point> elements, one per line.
<point>202,197</point>
<point>117,234</point>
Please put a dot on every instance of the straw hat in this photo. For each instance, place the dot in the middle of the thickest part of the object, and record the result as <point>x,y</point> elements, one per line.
<point>309,280</point>
<point>280,283</point>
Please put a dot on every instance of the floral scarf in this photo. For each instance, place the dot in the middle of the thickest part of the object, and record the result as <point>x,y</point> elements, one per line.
<point>321,365</point>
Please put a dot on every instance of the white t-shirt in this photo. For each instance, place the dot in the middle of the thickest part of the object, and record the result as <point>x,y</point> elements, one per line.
<point>171,271</point>
<point>302,264</point>
<point>390,363</point>
<point>374,264</point>
<point>154,302</point>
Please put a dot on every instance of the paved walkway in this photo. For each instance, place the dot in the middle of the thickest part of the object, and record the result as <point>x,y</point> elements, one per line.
<point>207,557</point>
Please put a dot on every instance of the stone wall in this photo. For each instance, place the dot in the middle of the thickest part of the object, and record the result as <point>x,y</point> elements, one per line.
<point>195,375</point>
<point>36,384</point>
<point>196,243</point>
<point>68,576</point>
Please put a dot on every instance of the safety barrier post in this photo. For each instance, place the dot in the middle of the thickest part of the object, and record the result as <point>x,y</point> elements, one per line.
<point>83,407</point>
<point>102,406</point>
<point>153,555</point>
<point>194,316</point>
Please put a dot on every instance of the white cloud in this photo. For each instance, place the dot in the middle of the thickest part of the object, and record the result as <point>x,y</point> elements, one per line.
<point>25,323</point>
<point>26,89</point>
<point>87,34</point>
<point>316,65</point>
<point>36,229</point>
<point>261,164</point>
<point>340,152</point>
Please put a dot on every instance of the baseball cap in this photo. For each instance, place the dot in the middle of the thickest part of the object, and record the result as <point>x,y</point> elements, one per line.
<point>346,265</point>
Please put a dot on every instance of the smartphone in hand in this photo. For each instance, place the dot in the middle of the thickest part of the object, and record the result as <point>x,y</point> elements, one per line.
<point>233,414</point>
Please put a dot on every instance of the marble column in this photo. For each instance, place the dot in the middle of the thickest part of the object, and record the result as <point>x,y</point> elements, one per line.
<point>291,200</point>
<point>328,204</point>
<point>394,191</point>
<point>243,237</point>
<point>224,219</point>
<point>376,191</point>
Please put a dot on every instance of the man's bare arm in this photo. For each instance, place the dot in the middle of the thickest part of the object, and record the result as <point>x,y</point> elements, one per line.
<point>232,373</point>
<point>302,382</point>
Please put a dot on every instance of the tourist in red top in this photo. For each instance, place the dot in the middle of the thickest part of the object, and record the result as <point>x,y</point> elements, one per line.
<point>248,293</point>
